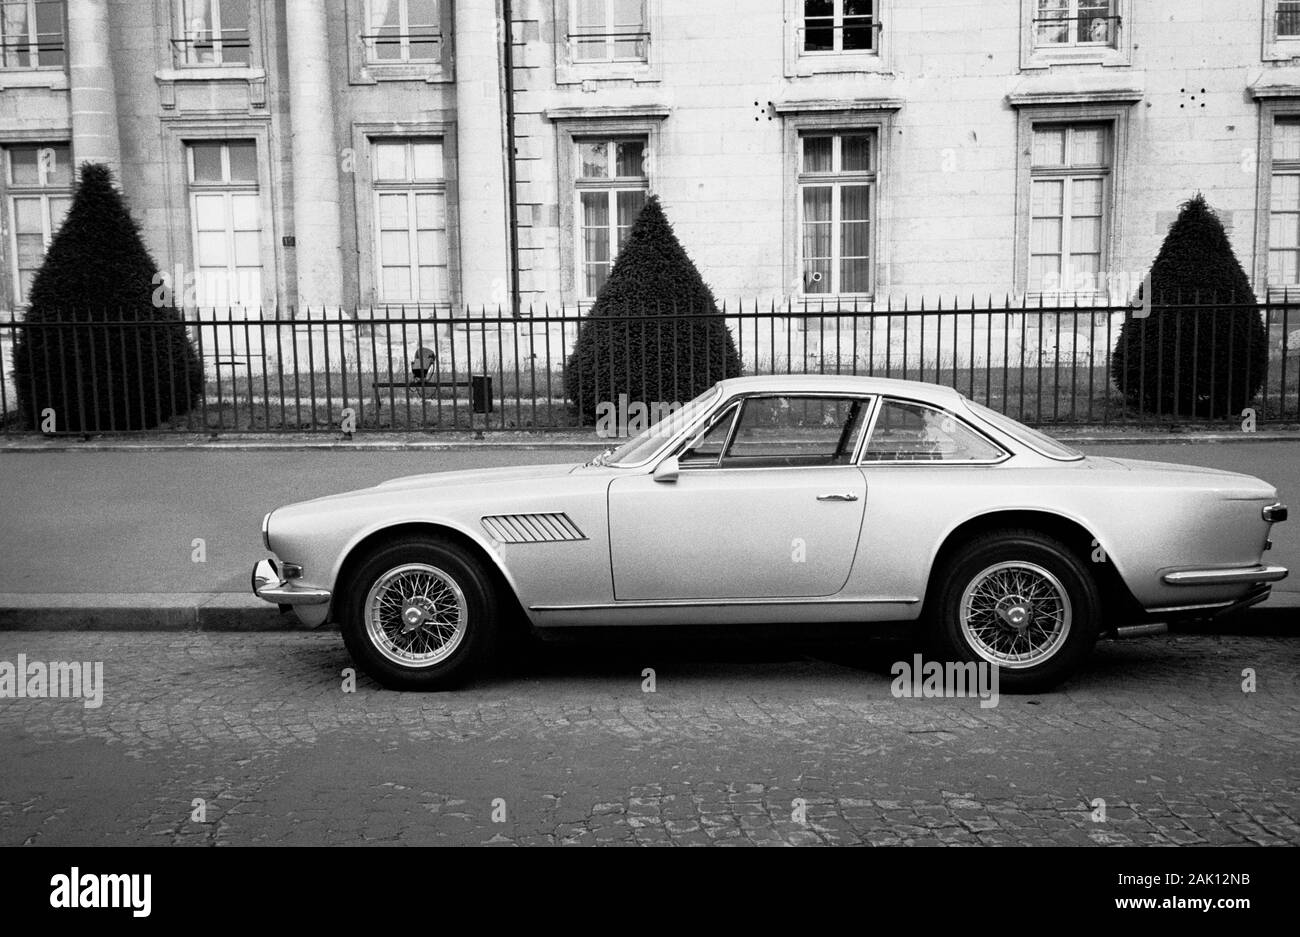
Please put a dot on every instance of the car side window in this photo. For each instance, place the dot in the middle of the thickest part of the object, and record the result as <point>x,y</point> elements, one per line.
<point>913,432</point>
<point>788,431</point>
<point>707,447</point>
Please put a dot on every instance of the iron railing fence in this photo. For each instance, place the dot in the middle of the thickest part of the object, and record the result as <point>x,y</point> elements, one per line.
<point>477,370</point>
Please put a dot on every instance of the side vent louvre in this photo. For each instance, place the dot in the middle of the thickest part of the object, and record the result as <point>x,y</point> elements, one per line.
<point>532,528</point>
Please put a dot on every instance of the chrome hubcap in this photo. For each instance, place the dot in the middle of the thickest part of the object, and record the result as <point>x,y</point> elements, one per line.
<point>416,615</point>
<point>1015,615</point>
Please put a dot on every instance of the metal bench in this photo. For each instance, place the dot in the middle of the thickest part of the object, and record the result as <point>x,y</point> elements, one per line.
<point>425,376</point>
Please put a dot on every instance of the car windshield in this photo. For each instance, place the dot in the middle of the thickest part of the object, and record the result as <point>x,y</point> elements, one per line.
<point>645,444</point>
<point>1040,442</point>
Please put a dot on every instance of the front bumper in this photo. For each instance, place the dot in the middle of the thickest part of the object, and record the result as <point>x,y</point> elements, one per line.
<point>270,586</point>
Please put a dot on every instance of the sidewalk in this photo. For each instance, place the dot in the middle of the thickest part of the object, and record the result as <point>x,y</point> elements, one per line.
<point>141,535</point>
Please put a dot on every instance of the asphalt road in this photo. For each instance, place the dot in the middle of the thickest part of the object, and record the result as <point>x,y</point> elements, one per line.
<point>219,739</point>
<point>125,522</point>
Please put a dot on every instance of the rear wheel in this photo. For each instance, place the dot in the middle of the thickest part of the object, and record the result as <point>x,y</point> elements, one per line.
<point>419,614</point>
<point>1020,600</point>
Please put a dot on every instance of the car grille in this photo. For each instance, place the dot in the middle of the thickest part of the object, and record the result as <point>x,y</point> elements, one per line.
<point>532,528</point>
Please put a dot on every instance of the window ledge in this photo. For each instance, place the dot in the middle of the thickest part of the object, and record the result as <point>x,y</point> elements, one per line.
<point>212,73</point>
<point>54,79</point>
<point>1279,87</point>
<point>822,105</point>
<point>628,112</point>
<point>372,73</point>
<point>1045,93</point>
<point>808,65</point>
<point>1047,57</point>
<point>830,303</point>
<point>1282,49</point>
<point>1035,301</point>
<point>573,74</point>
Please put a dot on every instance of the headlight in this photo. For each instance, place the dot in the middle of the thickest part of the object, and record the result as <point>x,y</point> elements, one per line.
<point>266,530</point>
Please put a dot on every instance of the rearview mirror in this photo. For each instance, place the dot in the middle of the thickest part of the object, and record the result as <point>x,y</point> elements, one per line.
<point>666,471</point>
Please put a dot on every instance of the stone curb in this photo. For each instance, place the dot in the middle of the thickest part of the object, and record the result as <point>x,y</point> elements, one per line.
<point>192,611</point>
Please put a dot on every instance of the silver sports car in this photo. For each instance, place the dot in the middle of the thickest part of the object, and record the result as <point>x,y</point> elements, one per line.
<point>792,500</point>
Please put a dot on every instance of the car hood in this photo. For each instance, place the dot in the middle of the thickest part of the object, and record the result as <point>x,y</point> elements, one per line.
<point>490,476</point>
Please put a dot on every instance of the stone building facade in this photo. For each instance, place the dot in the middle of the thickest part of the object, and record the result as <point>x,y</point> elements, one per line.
<point>357,153</point>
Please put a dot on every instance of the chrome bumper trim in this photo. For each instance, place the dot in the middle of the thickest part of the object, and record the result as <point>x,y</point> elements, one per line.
<point>1246,601</point>
<point>270,587</point>
<point>1217,577</point>
<point>699,603</point>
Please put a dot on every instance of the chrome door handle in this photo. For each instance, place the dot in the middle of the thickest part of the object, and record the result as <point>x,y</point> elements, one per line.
<point>848,496</point>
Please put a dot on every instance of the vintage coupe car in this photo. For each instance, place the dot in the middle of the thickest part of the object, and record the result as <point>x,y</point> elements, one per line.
<point>790,499</point>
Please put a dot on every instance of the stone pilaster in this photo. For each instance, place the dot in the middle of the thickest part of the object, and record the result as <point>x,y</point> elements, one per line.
<point>480,132</point>
<point>317,224</point>
<point>93,91</point>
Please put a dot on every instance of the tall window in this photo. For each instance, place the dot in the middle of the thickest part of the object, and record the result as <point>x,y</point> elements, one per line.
<point>214,32</point>
<point>40,192</point>
<point>1284,206</point>
<point>1288,19</point>
<point>1070,169</point>
<point>226,214</point>
<point>608,31</point>
<point>837,173</point>
<point>839,26</point>
<point>32,33</point>
<point>410,191</point>
<point>402,30</point>
<point>611,188</point>
<point>1076,23</point>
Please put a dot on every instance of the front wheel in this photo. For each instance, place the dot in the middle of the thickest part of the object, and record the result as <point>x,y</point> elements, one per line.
<point>418,614</point>
<point>1020,600</point>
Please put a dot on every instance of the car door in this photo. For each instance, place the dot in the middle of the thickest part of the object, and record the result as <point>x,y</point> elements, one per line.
<point>767,504</point>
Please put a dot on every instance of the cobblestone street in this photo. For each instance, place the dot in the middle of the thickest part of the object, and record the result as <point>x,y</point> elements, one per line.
<point>738,744</point>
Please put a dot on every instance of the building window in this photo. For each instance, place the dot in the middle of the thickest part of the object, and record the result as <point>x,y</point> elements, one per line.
<point>612,184</point>
<point>402,31</point>
<point>1284,206</point>
<point>1069,172</point>
<point>1287,19</point>
<point>226,214</point>
<point>32,33</point>
<point>39,181</point>
<point>608,31</point>
<point>837,173</point>
<point>839,26</point>
<point>214,32</point>
<point>410,199</point>
<point>1060,23</point>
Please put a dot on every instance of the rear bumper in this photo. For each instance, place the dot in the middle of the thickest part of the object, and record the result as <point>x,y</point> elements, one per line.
<point>1220,577</point>
<point>270,586</point>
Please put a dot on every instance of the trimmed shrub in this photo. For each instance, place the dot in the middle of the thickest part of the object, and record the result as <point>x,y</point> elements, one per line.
<point>1188,358</point>
<point>79,352</point>
<point>636,341</point>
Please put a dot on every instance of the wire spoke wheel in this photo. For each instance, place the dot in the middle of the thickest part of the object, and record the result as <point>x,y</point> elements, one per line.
<point>1015,614</point>
<point>416,615</point>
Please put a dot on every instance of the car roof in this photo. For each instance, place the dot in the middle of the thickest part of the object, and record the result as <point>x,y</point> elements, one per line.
<point>842,383</point>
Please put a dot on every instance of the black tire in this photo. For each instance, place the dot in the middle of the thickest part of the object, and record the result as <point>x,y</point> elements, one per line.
<point>462,656</point>
<point>1026,553</point>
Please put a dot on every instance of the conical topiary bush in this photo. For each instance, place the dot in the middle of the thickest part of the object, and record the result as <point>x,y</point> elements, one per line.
<point>654,332</point>
<point>100,371</point>
<point>1203,349</point>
